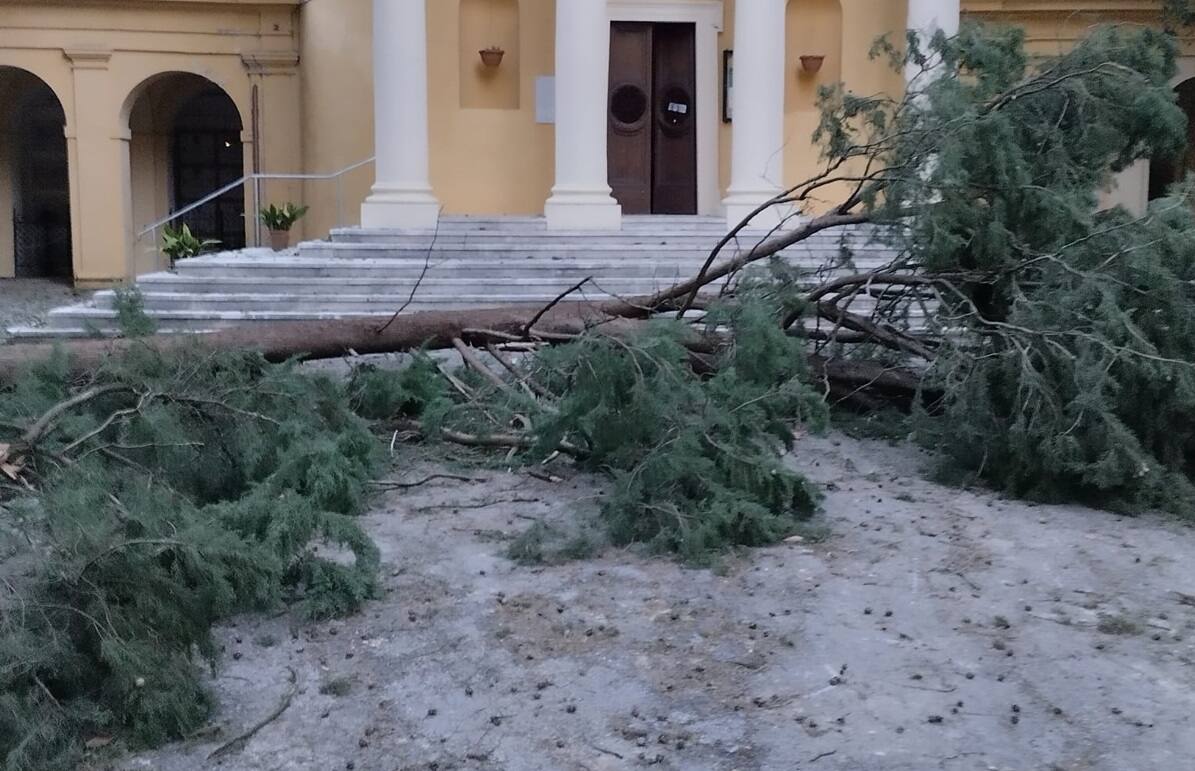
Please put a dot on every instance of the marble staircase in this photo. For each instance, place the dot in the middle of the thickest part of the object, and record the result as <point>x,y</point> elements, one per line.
<point>466,262</point>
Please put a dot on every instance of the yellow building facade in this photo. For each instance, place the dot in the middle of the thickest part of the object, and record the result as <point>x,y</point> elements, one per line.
<point>118,113</point>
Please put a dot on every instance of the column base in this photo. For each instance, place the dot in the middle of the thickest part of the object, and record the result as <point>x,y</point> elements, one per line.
<point>582,211</point>
<point>739,206</point>
<point>401,209</point>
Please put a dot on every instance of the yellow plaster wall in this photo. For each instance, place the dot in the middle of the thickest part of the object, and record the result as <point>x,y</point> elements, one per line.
<point>489,160</point>
<point>844,31</point>
<point>487,24</point>
<point>336,68</point>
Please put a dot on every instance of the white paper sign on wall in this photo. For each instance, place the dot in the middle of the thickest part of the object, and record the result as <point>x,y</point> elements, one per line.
<point>545,99</point>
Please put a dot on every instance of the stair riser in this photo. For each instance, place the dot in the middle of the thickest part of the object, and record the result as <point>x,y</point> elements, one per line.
<point>103,319</point>
<point>201,322</point>
<point>341,287</point>
<point>693,240</point>
<point>621,253</point>
<point>498,271</point>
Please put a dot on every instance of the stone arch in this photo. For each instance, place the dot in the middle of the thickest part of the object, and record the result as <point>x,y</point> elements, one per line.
<point>485,24</point>
<point>185,142</point>
<point>35,203</point>
<point>1164,172</point>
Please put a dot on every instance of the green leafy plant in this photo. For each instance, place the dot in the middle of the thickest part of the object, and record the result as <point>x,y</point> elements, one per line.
<point>182,243</point>
<point>283,218</point>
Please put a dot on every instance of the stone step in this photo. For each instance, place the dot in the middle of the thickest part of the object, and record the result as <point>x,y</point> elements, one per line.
<point>93,320</point>
<point>630,224</point>
<point>498,269</point>
<point>83,321</point>
<point>468,262</point>
<point>160,283</point>
<point>574,251</point>
<point>530,224</point>
<point>350,303</point>
<point>699,239</point>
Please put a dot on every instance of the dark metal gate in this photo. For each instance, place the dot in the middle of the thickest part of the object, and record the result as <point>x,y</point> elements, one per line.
<point>42,249</point>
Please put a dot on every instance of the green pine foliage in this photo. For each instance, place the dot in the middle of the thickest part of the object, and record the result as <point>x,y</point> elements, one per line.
<point>695,461</point>
<point>130,313</point>
<point>204,484</point>
<point>1076,380</point>
<point>378,393</point>
<point>1063,334</point>
<point>1097,404</point>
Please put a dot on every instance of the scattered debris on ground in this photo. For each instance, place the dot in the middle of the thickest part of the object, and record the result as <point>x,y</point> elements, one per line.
<point>25,302</point>
<point>934,628</point>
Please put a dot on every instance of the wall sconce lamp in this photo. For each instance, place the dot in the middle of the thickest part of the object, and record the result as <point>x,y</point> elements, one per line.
<point>491,57</point>
<point>811,64</point>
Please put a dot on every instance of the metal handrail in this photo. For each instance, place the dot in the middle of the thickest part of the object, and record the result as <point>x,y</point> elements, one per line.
<point>256,179</point>
<point>192,207</point>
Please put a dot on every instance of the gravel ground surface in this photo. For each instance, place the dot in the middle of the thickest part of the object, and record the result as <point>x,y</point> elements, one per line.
<point>935,628</point>
<point>25,301</point>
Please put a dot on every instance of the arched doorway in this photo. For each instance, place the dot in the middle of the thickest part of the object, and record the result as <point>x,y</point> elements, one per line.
<point>185,143</point>
<point>1164,172</point>
<point>35,216</point>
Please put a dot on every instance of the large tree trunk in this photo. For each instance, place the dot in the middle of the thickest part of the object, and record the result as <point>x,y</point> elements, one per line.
<point>864,384</point>
<point>324,339</point>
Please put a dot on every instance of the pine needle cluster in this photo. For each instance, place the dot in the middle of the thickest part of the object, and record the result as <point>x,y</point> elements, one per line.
<point>1059,344</point>
<point>192,487</point>
<point>1071,371</point>
<point>695,459</point>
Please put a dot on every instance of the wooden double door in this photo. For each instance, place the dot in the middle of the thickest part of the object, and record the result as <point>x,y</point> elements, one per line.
<point>652,140</point>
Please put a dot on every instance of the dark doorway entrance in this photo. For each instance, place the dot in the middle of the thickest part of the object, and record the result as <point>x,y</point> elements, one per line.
<point>652,128</point>
<point>33,163</point>
<point>207,156</point>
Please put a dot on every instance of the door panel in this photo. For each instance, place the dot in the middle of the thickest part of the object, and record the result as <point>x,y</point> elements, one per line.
<point>652,134</point>
<point>674,161</point>
<point>630,116</point>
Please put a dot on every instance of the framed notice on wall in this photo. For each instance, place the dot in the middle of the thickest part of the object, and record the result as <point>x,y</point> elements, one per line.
<point>727,85</point>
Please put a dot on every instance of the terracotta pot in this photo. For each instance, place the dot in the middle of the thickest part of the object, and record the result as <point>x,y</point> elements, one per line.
<point>812,63</point>
<point>279,240</point>
<point>491,57</point>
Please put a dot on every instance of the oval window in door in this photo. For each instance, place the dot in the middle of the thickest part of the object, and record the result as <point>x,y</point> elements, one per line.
<point>628,105</point>
<point>676,109</point>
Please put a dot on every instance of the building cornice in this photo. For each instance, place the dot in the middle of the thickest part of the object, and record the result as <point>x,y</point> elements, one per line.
<point>1029,7</point>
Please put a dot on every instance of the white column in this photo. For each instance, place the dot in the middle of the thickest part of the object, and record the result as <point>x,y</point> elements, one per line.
<point>581,197</point>
<point>757,142</point>
<point>402,195</point>
<point>927,17</point>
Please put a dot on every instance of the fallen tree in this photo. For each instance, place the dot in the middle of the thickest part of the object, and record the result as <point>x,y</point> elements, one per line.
<point>1010,285</point>
<point>1046,346</point>
<point>1012,296</point>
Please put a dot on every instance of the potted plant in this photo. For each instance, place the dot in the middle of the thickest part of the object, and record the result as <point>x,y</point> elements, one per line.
<point>279,221</point>
<point>182,243</point>
<point>492,56</point>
